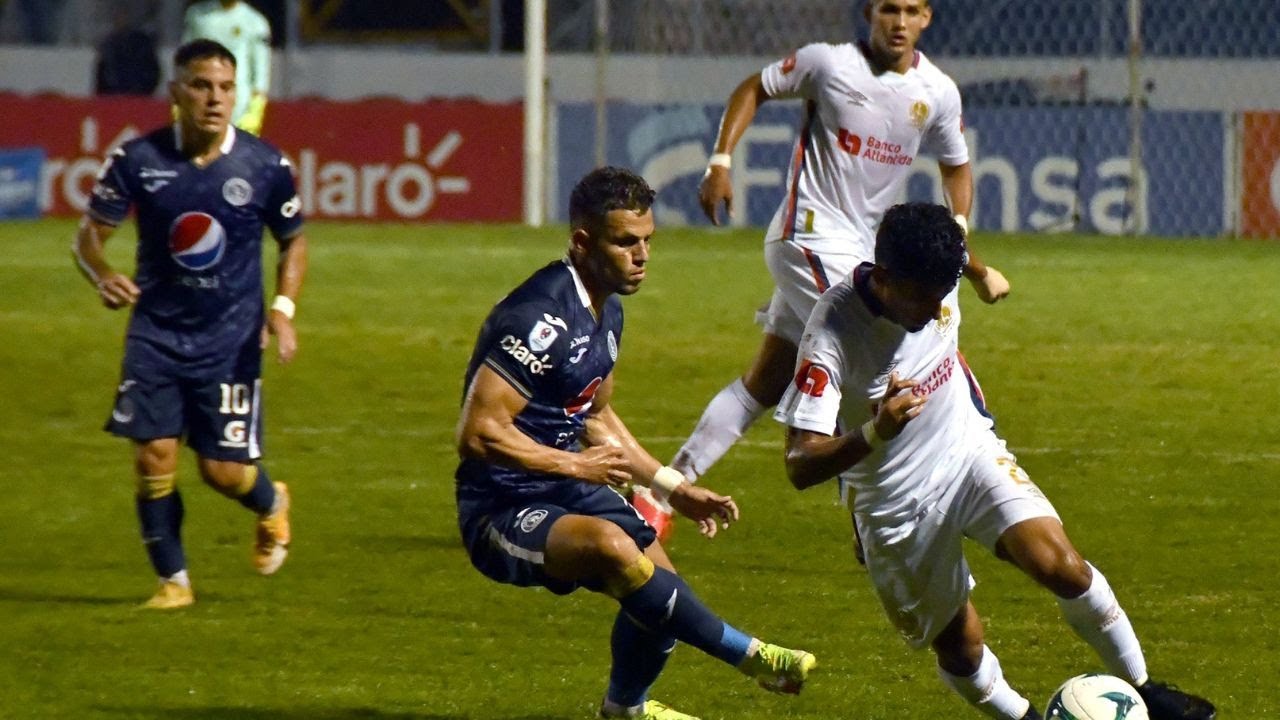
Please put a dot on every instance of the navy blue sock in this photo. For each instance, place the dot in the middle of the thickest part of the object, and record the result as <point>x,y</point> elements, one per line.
<point>262,495</point>
<point>666,605</point>
<point>638,658</point>
<point>162,532</point>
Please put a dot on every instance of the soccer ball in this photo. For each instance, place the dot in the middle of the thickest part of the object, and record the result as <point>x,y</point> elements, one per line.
<point>1096,697</point>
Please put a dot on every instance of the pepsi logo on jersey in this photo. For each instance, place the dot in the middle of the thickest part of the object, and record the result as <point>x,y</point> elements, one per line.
<point>197,241</point>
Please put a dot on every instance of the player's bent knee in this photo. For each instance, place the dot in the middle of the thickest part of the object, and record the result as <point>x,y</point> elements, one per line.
<point>230,478</point>
<point>156,457</point>
<point>959,646</point>
<point>154,487</point>
<point>1057,567</point>
<point>628,578</point>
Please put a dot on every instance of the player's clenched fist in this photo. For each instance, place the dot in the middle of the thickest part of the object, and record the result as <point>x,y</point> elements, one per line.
<point>715,189</point>
<point>898,407</point>
<point>117,291</point>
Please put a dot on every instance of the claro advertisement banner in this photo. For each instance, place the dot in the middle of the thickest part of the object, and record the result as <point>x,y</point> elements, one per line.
<point>1261,175</point>
<point>384,160</point>
<point>1036,169</point>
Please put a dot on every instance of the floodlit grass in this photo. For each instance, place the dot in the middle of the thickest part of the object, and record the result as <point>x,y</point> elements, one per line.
<point>1136,381</point>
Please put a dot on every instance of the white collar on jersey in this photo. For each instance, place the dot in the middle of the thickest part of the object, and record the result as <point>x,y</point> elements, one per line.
<point>228,142</point>
<point>577,283</point>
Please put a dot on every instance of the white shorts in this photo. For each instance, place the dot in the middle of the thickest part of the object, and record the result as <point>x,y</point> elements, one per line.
<point>919,569</point>
<point>800,276</point>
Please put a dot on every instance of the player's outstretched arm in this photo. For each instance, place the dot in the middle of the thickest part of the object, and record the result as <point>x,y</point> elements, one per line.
<point>487,431</point>
<point>716,187</point>
<point>813,458</point>
<point>116,290</point>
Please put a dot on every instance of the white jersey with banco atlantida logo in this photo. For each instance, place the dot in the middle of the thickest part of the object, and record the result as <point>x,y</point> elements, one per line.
<point>847,354</point>
<point>860,133</point>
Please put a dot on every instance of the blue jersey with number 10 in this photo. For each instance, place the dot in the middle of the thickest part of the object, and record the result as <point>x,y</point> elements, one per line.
<point>545,341</point>
<point>199,257</point>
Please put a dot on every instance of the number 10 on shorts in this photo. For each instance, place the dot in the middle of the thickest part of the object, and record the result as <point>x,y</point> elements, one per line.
<point>237,399</point>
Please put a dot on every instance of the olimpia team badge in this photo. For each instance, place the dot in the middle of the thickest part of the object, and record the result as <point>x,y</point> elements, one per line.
<point>237,191</point>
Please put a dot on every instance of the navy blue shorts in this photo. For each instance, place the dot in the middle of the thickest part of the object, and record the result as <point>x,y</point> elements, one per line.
<point>506,543</point>
<point>217,407</point>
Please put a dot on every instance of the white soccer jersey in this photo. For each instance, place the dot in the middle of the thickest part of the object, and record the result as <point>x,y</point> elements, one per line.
<point>246,33</point>
<point>846,357</point>
<point>860,133</point>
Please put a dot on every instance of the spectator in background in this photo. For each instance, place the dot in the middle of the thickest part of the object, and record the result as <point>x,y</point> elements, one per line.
<point>40,19</point>
<point>127,62</point>
<point>246,32</point>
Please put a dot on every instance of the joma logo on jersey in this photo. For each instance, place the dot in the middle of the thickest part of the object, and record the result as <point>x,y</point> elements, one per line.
<point>523,355</point>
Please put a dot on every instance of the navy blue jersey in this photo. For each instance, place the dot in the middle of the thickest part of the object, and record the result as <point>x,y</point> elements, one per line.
<point>545,341</point>
<point>199,257</point>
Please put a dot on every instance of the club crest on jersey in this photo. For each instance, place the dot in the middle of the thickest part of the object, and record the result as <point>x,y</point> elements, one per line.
<point>529,521</point>
<point>541,336</point>
<point>945,318</point>
<point>197,241</point>
<point>237,191</point>
<point>613,346</point>
<point>919,113</point>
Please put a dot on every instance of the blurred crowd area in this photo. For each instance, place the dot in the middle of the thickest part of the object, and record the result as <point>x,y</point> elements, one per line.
<point>87,22</point>
<point>962,28</point>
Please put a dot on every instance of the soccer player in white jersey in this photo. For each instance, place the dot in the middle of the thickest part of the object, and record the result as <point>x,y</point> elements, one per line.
<point>870,108</point>
<point>883,399</point>
<point>247,34</point>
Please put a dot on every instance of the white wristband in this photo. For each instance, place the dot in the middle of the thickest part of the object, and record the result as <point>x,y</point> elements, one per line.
<point>665,481</point>
<point>963,222</point>
<point>870,436</point>
<point>724,160</point>
<point>284,305</point>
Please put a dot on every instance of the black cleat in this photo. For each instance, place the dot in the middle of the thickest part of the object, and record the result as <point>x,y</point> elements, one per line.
<point>1166,702</point>
<point>1032,714</point>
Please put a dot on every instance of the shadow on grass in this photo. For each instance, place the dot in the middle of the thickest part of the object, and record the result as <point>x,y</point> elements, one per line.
<point>27,596</point>
<point>313,713</point>
<point>391,543</point>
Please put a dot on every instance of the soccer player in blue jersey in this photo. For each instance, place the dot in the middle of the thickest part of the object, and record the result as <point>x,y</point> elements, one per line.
<point>202,193</point>
<point>544,457</point>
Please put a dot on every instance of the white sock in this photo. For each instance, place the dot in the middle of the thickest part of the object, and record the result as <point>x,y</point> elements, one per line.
<point>987,690</point>
<point>179,578</point>
<point>1098,619</point>
<point>727,416</point>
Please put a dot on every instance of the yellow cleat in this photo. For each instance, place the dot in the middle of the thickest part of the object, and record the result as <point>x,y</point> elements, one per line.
<point>778,669</point>
<point>170,596</point>
<point>272,543</point>
<point>653,710</point>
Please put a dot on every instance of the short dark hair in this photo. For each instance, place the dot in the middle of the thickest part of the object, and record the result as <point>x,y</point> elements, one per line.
<point>921,242</point>
<point>199,49</point>
<point>604,189</point>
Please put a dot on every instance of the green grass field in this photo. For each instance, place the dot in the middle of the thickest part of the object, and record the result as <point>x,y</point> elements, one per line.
<point>1136,381</point>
